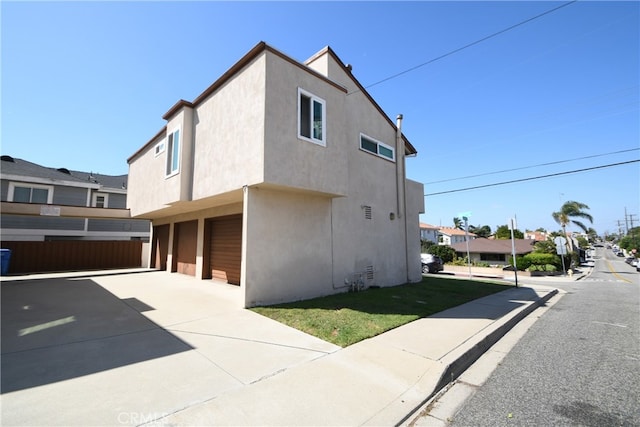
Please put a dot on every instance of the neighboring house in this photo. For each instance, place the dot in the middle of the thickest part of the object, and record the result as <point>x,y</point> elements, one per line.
<point>283,177</point>
<point>538,236</point>
<point>24,184</point>
<point>428,232</point>
<point>493,251</point>
<point>451,236</point>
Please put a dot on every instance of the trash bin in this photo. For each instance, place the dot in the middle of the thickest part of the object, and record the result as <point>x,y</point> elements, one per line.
<point>5,257</point>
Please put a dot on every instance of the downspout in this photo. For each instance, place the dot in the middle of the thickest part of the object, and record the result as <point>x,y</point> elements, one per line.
<point>401,183</point>
<point>399,167</point>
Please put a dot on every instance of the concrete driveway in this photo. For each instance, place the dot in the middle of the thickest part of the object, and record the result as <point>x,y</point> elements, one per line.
<point>126,349</point>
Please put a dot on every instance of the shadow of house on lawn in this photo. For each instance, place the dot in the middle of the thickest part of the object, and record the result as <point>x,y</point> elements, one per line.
<point>58,329</point>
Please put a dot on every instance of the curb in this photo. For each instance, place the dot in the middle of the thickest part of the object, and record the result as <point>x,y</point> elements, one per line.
<point>462,363</point>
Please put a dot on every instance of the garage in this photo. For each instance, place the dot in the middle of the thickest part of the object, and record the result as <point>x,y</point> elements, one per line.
<point>184,247</point>
<point>224,239</point>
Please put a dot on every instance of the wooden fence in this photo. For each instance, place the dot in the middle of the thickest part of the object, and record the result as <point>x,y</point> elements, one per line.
<point>72,255</point>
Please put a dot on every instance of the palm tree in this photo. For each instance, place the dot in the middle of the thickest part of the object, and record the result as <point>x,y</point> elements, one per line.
<point>570,210</point>
<point>458,223</point>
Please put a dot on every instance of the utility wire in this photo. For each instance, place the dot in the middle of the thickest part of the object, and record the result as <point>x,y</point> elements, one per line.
<point>532,178</point>
<point>532,166</point>
<point>468,45</point>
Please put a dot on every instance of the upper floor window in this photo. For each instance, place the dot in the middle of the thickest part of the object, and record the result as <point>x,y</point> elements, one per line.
<point>100,200</point>
<point>173,153</point>
<point>30,193</point>
<point>376,147</point>
<point>159,148</point>
<point>311,118</point>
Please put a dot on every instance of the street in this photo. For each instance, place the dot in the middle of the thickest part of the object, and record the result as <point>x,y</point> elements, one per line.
<point>579,364</point>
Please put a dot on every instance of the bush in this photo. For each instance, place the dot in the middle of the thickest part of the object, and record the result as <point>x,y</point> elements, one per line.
<point>447,253</point>
<point>523,262</point>
<point>546,268</point>
<point>539,258</point>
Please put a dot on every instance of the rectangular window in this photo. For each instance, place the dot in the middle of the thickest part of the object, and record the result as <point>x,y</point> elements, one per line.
<point>26,193</point>
<point>173,153</point>
<point>159,148</point>
<point>100,200</point>
<point>311,118</point>
<point>376,147</point>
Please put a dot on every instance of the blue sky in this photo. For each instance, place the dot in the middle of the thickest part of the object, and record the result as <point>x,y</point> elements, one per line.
<point>85,84</point>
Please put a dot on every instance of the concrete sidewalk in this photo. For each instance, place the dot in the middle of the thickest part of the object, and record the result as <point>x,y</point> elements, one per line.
<point>379,381</point>
<point>155,348</point>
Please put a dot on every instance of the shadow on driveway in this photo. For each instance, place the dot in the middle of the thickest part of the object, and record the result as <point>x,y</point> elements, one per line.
<point>58,329</point>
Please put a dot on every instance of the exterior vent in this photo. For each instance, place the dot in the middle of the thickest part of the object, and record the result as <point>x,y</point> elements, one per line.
<point>367,212</point>
<point>64,170</point>
<point>6,158</point>
<point>369,272</point>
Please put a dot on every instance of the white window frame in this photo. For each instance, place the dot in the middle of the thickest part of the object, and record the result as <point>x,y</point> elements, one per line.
<point>159,147</point>
<point>378,145</point>
<point>94,201</point>
<point>169,171</point>
<point>13,185</point>
<point>313,98</point>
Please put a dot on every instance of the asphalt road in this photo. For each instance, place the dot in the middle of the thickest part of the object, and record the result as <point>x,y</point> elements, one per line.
<point>579,364</point>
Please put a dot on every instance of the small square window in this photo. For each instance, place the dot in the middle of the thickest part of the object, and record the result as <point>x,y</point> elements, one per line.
<point>159,148</point>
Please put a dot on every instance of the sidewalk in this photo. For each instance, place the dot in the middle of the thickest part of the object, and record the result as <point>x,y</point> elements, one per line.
<point>380,381</point>
<point>154,348</point>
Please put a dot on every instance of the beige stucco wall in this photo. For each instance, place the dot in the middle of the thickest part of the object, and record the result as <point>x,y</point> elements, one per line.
<point>293,162</point>
<point>229,134</point>
<point>288,246</point>
<point>146,181</point>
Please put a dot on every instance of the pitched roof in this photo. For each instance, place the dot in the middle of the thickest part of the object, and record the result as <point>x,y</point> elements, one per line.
<point>247,59</point>
<point>495,246</point>
<point>451,231</point>
<point>26,169</point>
<point>426,226</point>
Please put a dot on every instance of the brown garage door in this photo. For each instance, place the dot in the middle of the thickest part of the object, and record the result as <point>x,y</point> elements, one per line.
<point>160,246</point>
<point>185,240</point>
<point>225,241</point>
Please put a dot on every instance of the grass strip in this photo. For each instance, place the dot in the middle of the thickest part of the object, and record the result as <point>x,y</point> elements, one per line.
<point>346,318</point>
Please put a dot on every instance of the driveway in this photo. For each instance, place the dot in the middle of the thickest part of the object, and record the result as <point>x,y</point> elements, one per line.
<point>125,349</point>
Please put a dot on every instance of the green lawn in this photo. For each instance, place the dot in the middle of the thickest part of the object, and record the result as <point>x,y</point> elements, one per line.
<point>347,318</point>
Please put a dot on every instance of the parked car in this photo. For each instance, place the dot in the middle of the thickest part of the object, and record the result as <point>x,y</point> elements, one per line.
<point>431,263</point>
<point>620,254</point>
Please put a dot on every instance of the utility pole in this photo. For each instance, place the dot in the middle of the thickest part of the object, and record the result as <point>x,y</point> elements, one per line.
<point>631,220</point>
<point>626,222</point>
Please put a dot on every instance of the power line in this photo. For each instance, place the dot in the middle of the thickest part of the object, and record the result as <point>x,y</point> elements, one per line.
<point>532,166</point>
<point>468,45</point>
<point>532,178</point>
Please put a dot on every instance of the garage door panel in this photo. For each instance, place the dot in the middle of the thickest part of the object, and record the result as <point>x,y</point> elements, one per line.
<point>186,238</point>
<point>226,248</point>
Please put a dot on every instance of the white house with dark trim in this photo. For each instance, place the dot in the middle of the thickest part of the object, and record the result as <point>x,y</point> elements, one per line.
<point>283,177</point>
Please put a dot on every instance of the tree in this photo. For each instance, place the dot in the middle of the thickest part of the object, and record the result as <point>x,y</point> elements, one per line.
<point>458,223</point>
<point>503,233</point>
<point>480,231</point>
<point>447,253</point>
<point>568,212</point>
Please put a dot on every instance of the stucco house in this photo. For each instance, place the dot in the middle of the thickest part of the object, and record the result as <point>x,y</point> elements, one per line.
<point>493,251</point>
<point>450,236</point>
<point>429,232</point>
<point>283,177</point>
